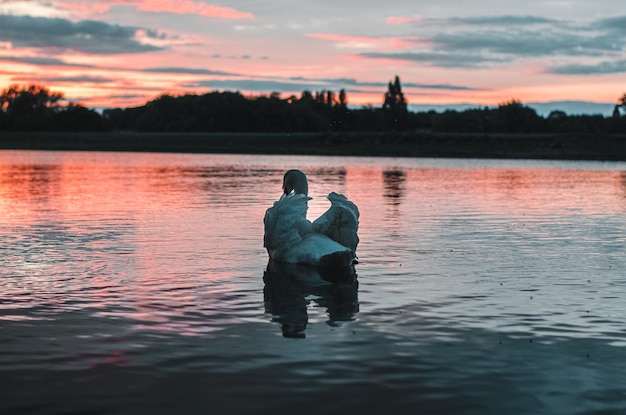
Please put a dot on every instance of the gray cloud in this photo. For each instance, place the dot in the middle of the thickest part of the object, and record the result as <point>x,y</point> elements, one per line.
<point>342,82</point>
<point>35,61</point>
<point>189,71</point>
<point>75,79</point>
<point>507,20</point>
<point>297,84</point>
<point>601,68</point>
<point>527,43</point>
<point>321,81</point>
<point>614,23</point>
<point>445,60</point>
<point>440,86</point>
<point>253,85</point>
<point>87,36</point>
<point>126,96</point>
<point>43,61</point>
<point>486,41</point>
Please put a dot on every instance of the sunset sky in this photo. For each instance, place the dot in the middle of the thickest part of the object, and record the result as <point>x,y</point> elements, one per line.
<point>123,53</point>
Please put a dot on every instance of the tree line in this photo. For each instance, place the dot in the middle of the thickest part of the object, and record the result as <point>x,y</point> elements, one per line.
<point>37,108</point>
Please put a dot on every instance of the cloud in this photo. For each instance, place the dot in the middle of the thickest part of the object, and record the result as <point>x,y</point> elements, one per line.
<point>526,43</point>
<point>504,20</point>
<point>613,24</point>
<point>618,22</point>
<point>68,79</point>
<point>401,20</point>
<point>87,36</point>
<point>342,82</point>
<point>298,84</point>
<point>488,41</point>
<point>188,71</point>
<point>41,61</point>
<point>126,96</point>
<point>363,42</point>
<point>448,87</point>
<point>438,59</point>
<point>197,8</point>
<point>188,7</point>
<point>601,68</point>
<point>254,85</point>
<point>348,40</point>
<point>326,81</point>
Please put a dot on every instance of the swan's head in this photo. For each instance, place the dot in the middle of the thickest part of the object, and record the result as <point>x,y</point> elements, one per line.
<point>295,180</point>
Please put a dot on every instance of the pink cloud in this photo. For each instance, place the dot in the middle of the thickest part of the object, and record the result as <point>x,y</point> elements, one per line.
<point>192,7</point>
<point>365,41</point>
<point>160,6</point>
<point>84,10</point>
<point>343,38</point>
<point>400,20</point>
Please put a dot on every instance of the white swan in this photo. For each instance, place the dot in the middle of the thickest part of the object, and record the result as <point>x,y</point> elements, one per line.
<point>330,240</point>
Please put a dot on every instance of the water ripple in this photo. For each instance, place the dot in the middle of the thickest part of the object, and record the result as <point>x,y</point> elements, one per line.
<point>129,282</point>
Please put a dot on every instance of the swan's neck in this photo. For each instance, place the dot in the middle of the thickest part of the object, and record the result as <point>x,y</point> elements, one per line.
<point>295,181</point>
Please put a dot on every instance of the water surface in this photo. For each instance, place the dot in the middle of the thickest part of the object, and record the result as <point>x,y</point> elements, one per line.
<point>138,282</point>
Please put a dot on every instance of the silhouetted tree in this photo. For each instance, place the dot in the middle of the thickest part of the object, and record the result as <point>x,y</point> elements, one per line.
<point>76,117</point>
<point>31,97</point>
<point>621,103</point>
<point>557,121</point>
<point>341,117</point>
<point>307,97</point>
<point>369,118</point>
<point>395,106</point>
<point>343,97</point>
<point>616,113</point>
<point>517,118</point>
<point>37,108</point>
<point>29,107</point>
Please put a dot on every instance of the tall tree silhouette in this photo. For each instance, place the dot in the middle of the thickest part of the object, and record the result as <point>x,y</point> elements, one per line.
<point>622,102</point>
<point>341,118</point>
<point>395,106</point>
<point>616,113</point>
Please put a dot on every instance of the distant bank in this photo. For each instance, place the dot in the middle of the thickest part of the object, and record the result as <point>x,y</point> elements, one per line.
<point>399,144</point>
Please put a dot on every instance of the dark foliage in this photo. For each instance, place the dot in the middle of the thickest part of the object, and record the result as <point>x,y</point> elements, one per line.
<point>36,108</point>
<point>395,106</point>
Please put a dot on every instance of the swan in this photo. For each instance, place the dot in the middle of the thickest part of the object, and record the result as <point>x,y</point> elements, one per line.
<point>330,240</point>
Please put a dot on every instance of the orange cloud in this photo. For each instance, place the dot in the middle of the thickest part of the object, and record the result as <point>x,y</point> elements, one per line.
<point>400,20</point>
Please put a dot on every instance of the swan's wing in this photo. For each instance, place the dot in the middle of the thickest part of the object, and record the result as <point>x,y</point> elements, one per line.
<point>284,223</point>
<point>320,250</point>
<point>340,222</point>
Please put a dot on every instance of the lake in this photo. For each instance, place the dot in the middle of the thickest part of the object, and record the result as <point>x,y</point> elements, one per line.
<point>138,283</point>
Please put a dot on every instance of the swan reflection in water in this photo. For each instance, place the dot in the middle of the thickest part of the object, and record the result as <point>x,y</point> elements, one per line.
<point>290,288</point>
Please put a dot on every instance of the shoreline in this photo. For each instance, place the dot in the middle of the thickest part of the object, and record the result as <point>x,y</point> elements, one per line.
<point>373,144</point>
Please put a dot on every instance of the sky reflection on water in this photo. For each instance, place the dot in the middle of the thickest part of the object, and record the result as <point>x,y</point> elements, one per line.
<point>475,276</point>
